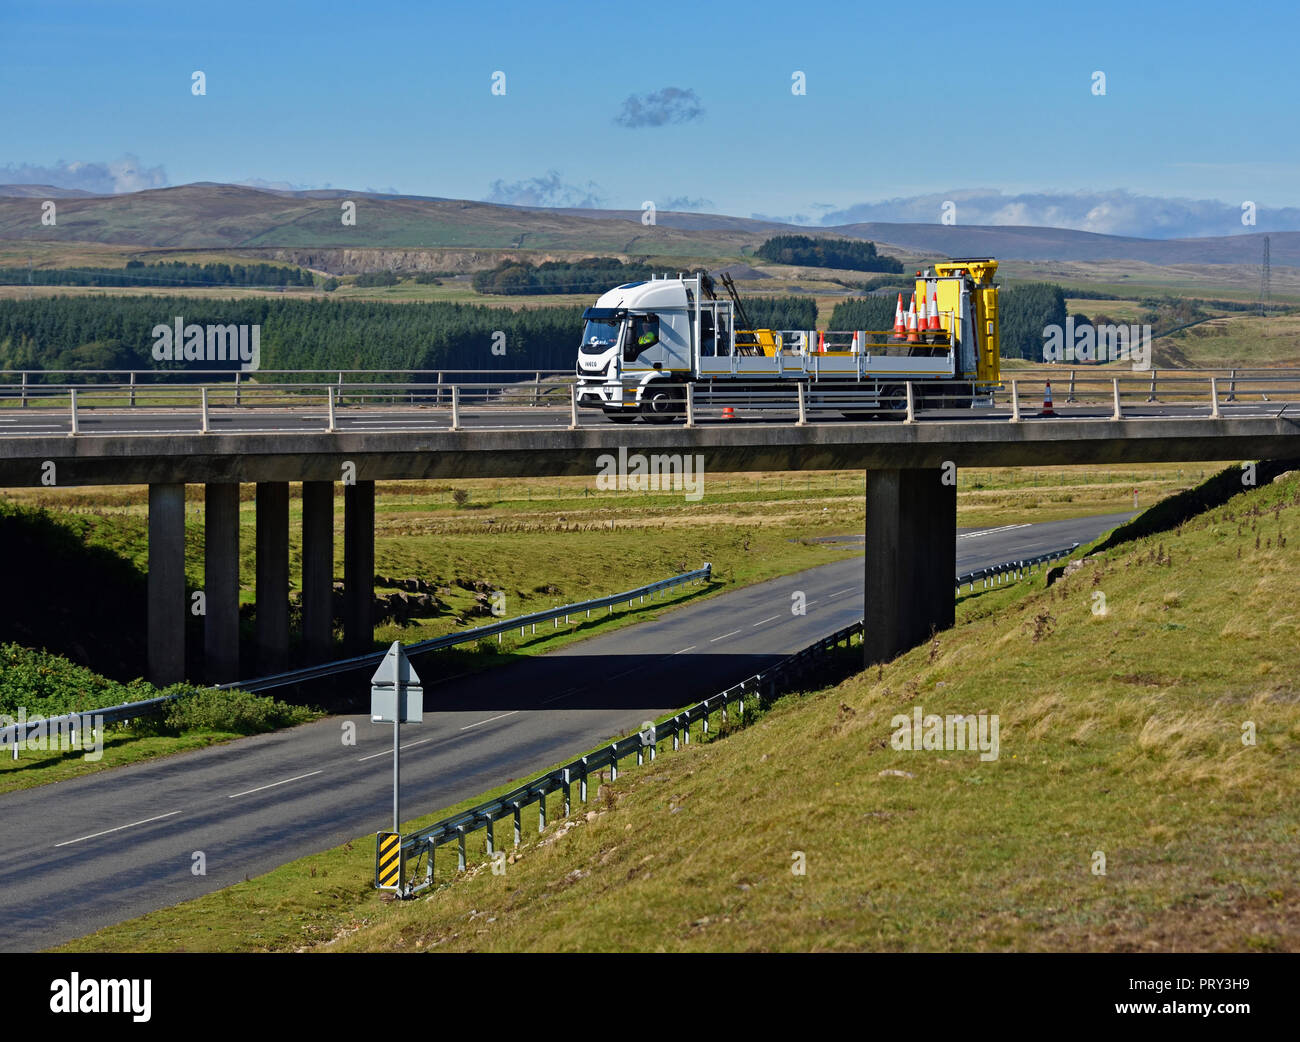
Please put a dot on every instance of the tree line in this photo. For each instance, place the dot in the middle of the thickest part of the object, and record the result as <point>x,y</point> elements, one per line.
<point>164,273</point>
<point>117,333</point>
<point>593,275</point>
<point>848,254</point>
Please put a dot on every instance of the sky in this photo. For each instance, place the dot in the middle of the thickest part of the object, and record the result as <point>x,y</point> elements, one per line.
<point>994,108</point>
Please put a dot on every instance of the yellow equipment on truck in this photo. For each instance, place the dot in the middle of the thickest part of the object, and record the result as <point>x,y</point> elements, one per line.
<point>643,342</point>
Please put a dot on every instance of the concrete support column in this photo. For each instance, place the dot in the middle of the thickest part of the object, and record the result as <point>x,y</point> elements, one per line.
<point>317,568</point>
<point>358,566</point>
<point>221,582</point>
<point>166,609</point>
<point>272,624</point>
<point>911,555</point>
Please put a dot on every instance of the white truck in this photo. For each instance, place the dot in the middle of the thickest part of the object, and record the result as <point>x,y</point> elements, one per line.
<point>643,342</point>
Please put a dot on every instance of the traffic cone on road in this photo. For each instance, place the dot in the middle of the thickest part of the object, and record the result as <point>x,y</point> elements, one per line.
<point>912,338</point>
<point>934,307</point>
<point>1047,401</point>
<point>728,413</point>
<point>900,323</point>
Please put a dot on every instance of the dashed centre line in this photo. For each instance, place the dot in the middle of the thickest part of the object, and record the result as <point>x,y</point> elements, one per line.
<point>286,781</point>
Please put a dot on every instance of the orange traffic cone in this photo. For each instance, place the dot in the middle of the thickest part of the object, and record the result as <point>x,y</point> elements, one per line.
<point>922,322</point>
<point>900,323</point>
<point>1047,401</point>
<point>821,342</point>
<point>728,413</point>
<point>912,338</point>
<point>934,307</point>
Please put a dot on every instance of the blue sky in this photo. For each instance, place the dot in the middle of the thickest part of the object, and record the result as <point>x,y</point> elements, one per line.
<point>902,102</point>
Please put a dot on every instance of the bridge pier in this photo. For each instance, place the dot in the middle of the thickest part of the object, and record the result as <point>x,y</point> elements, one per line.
<point>317,568</point>
<point>166,609</point>
<point>221,582</point>
<point>271,629</point>
<point>358,566</point>
<point>911,544</point>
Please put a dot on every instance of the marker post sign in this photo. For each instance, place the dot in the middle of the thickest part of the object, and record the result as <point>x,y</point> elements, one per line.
<point>396,697</point>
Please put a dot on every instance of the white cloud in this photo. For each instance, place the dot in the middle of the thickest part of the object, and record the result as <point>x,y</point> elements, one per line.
<point>1113,212</point>
<point>548,190</point>
<point>124,174</point>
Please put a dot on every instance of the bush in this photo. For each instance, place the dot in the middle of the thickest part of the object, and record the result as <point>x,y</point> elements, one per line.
<point>238,712</point>
<point>845,254</point>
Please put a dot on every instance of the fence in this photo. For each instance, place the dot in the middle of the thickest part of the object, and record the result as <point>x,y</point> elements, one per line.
<point>425,842</point>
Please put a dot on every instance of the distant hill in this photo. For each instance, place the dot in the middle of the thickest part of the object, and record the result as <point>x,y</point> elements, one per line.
<point>216,216</point>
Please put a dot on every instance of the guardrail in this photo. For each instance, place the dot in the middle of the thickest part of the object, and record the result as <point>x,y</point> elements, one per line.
<point>443,405</point>
<point>425,842</point>
<point>492,629</point>
<point>68,724</point>
<point>1008,571</point>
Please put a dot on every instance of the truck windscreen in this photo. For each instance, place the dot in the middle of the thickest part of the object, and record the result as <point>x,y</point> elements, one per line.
<point>600,335</point>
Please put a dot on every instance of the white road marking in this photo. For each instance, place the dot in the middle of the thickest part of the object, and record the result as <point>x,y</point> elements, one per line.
<point>95,835</point>
<point>489,720</point>
<point>837,593</point>
<point>273,784</point>
<point>714,640</point>
<point>757,624</point>
<point>990,531</point>
<point>684,650</point>
<point>389,752</point>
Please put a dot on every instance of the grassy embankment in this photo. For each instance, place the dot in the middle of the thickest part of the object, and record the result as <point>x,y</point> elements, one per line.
<point>1157,732</point>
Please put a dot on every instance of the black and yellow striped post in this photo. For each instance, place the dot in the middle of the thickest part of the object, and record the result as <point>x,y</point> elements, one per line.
<point>388,860</point>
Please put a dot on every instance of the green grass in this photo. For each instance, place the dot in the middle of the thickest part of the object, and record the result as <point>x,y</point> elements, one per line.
<point>1120,733</point>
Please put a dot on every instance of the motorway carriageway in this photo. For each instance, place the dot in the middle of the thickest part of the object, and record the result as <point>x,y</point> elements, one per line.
<point>78,855</point>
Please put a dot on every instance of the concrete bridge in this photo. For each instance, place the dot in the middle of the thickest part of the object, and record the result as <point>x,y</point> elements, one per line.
<point>911,501</point>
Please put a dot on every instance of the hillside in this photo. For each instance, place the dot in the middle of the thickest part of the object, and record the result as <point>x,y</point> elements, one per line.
<point>216,216</point>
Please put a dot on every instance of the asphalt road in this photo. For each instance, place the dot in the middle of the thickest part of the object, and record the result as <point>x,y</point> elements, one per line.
<point>149,420</point>
<point>82,854</point>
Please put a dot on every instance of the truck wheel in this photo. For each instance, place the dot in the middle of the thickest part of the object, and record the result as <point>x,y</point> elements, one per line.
<point>662,405</point>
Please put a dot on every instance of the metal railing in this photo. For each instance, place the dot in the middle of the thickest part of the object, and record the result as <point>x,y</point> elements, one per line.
<point>18,734</point>
<point>424,843</point>
<point>436,404</point>
<point>1009,571</point>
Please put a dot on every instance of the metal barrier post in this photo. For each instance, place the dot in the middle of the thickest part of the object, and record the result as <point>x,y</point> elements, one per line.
<point>690,404</point>
<point>330,390</point>
<point>203,409</point>
<point>1119,409</point>
<point>1015,401</point>
<point>1151,395</point>
<point>1214,397</point>
<point>1069,397</point>
<point>1232,387</point>
<point>24,391</point>
<point>455,408</point>
<point>573,407</point>
<point>803,407</point>
<point>132,387</point>
<point>236,386</point>
<point>911,403</point>
<point>537,389</point>
<point>74,429</point>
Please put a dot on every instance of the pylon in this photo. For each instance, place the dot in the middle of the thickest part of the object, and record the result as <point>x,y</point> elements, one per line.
<point>912,338</point>
<point>853,345</point>
<point>821,342</point>
<point>922,322</point>
<point>1047,401</point>
<point>728,413</point>
<point>900,323</point>
<point>934,306</point>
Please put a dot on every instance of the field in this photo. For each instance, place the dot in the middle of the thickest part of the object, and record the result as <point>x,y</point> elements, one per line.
<point>1141,796</point>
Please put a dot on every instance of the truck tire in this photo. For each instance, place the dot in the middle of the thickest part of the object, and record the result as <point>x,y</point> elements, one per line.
<point>663,405</point>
